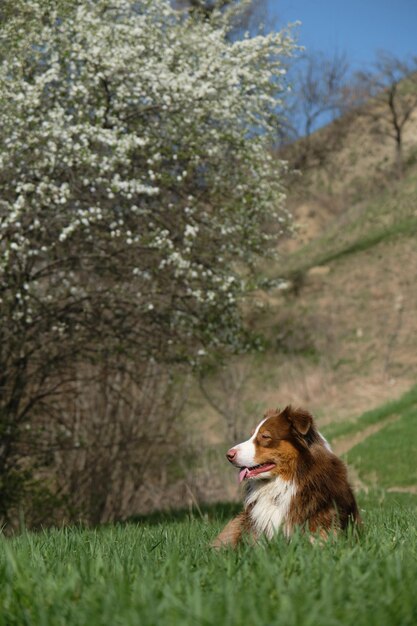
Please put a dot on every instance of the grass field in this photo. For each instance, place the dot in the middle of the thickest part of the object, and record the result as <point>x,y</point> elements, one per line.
<point>164,573</point>
<point>160,570</point>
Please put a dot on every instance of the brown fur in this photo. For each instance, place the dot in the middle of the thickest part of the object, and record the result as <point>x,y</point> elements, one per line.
<point>324,497</point>
<point>233,532</point>
<point>324,502</point>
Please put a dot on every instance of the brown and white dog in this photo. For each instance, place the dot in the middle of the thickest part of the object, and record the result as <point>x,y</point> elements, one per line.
<point>292,478</point>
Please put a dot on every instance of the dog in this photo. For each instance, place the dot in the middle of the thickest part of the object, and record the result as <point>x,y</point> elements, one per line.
<point>292,479</point>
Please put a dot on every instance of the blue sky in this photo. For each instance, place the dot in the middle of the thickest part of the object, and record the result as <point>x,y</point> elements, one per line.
<point>358,27</point>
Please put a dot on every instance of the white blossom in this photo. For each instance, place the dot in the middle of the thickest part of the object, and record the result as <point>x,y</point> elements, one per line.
<point>131,135</point>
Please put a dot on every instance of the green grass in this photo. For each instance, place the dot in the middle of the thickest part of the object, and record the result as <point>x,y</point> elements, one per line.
<point>164,573</point>
<point>386,458</point>
<point>397,407</point>
<point>389,457</point>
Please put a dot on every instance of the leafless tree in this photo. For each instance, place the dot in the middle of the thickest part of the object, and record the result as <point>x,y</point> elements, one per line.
<point>391,85</point>
<point>247,19</point>
<point>113,439</point>
<point>318,84</point>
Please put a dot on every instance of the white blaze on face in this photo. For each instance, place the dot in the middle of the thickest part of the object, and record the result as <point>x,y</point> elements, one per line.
<point>246,451</point>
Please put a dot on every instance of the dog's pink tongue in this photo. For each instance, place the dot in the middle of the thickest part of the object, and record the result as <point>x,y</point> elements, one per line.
<point>243,473</point>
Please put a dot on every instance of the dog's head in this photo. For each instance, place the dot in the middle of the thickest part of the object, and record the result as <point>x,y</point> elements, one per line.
<point>276,445</point>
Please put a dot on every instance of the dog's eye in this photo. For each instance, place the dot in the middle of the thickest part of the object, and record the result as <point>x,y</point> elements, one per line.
<point>266,436</point>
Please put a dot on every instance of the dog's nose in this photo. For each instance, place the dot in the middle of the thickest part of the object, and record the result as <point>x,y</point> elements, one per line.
<point>231,454</point>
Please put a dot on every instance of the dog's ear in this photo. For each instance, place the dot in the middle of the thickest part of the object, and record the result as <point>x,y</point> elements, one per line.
<point>300,419</point>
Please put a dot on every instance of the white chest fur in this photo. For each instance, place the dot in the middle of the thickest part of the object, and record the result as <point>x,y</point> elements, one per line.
<point>270,502</point>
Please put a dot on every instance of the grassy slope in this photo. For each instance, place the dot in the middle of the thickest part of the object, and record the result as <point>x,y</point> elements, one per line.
<point>383,457</point>
<point>388,457</point>
<point>346,345</point>
<point>403,405</point>
<point>165,574</point>
<point>385,215</point>
<point>345,320</point>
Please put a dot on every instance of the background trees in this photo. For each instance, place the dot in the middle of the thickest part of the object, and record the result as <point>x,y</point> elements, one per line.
<point>388,96</point>
<point>326,91</point>
<point>318,85</point>
<point>136,189</point>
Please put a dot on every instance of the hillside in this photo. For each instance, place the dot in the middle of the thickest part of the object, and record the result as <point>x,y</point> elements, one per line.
<point>341,327</point>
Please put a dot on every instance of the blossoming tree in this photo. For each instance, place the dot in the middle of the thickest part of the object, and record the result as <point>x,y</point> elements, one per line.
<point>137,190</point>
